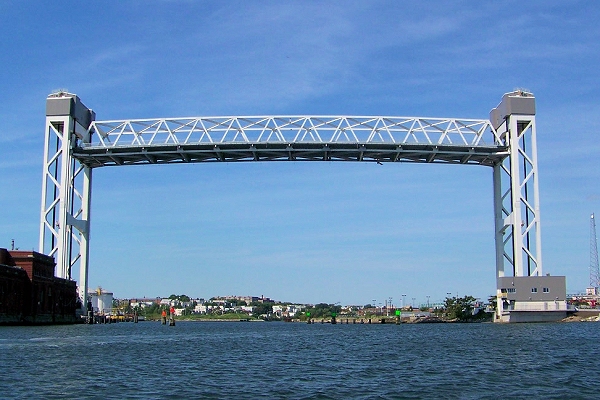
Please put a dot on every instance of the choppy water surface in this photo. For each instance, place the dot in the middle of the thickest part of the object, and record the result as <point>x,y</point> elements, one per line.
<point>299,361</point>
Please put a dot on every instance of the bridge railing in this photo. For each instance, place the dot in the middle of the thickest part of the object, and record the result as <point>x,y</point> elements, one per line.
<point>293,129</point>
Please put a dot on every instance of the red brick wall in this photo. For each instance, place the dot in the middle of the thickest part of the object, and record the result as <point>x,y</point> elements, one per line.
<point>15,292</point>
<point>34,263</point>
<point>29,289</point>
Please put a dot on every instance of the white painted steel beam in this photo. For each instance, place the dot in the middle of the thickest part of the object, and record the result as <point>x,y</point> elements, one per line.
<point>516,188</point>
<point>66,188</point>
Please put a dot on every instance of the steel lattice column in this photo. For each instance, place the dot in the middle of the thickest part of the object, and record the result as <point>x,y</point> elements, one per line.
<point>66,188</point>
<point>516,188</point>
<point>594,268</point>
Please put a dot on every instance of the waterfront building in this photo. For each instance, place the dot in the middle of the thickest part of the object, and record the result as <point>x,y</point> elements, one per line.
<point>102,301</point>
<point>142,303</point>
<point>31,294</point>
<point>531,299</point>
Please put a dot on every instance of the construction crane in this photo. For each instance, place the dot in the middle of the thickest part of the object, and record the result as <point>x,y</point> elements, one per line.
<point>594,268</point>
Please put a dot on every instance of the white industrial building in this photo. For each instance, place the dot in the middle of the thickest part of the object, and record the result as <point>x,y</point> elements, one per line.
<point>102,301</point>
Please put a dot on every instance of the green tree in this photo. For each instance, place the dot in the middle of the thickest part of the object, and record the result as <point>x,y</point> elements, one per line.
<point>323,310</point>
<point>262,308</point>
<point>460,308</point>
<point>184,298</point>
<point>152,311</point>
<point>492,301</point>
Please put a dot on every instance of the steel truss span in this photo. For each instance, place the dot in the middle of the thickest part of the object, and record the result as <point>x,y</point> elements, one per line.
<point>291,138</point>
<point>76,144</point>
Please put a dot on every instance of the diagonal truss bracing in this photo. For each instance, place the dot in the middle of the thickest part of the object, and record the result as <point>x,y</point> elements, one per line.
<point>294,138</point>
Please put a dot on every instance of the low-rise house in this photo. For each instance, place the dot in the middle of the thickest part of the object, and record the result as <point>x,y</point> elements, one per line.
<point>293,310</point>
<point>166,302</point>
<point>201,309</point>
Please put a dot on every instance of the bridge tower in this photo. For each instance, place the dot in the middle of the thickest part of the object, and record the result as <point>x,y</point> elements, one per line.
<point>523,292</point>
<point>66,188</point>
<point>516,193</point>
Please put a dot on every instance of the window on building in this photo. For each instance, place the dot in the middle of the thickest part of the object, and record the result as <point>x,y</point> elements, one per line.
<point>546,290</point>
<point>512,290</point>
<point>533,290</point>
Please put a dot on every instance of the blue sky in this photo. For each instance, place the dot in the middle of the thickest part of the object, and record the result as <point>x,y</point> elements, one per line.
<point>304,232</point>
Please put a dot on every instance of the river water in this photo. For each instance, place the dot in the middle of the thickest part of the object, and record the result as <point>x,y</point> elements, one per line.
<point>251,360</point>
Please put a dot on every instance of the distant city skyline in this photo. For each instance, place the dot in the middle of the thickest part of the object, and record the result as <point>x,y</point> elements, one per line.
<point>313,232</point>
<point>386,303</point>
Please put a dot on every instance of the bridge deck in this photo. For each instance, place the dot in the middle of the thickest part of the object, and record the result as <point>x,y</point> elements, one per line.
<point>193,153</point>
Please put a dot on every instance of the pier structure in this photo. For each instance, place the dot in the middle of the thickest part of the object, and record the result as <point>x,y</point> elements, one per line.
<point>76,144</point>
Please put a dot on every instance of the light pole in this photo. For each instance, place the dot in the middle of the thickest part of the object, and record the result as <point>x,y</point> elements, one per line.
<point>403,297</point>
<point>387,309</point>
<point>390,305</point>
<point>427,302</point>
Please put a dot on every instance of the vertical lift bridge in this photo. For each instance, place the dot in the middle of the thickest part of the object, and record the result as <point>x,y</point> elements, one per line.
<point>75,144</point>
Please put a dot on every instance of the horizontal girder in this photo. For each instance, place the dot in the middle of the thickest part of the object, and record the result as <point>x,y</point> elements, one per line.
<point>192,153</point>
<point>294,138</point>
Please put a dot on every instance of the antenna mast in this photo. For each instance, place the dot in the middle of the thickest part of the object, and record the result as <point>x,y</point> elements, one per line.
<point>594,269</point>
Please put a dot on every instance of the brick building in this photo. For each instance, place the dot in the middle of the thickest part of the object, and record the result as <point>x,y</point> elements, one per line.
<point>31,294</point>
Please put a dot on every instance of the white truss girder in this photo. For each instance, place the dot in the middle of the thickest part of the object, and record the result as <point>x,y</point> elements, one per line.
<point>295,138</point>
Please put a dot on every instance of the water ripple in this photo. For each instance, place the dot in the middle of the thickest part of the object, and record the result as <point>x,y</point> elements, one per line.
<point>299,361</point>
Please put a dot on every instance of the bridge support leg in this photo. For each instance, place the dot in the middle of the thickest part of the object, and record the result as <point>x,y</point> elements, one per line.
<point>516,201</point>
<point>66,188</point>
<point>516,193</point>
